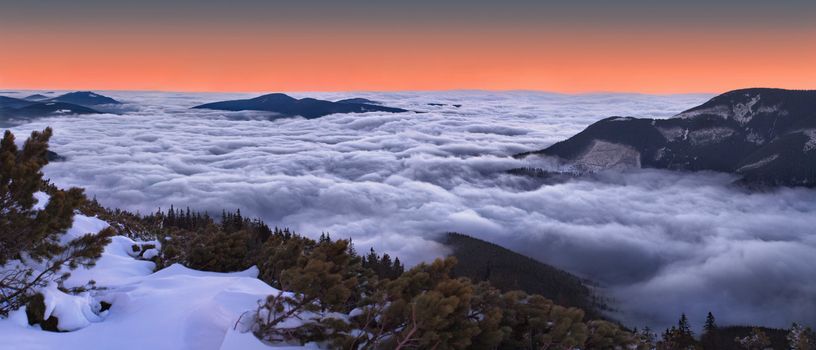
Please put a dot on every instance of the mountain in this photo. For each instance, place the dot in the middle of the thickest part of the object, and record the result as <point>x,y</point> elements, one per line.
<point>85,98</point>
<point>35,97</point>
<point>14,103</point>
<point>507,270</point>
<point>766,136</point>
<point>288,106</point>
<point>15,108</point>
<point>359,100</point>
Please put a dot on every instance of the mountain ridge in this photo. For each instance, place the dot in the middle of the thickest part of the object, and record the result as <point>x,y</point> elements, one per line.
<point>287,106</point>
<point>84,98</point>
<point>12,109</point>
<point>508,270</point>
<point>766,136</point>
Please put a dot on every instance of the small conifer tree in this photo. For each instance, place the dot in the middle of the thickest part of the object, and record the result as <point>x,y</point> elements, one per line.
<point>32,234</point>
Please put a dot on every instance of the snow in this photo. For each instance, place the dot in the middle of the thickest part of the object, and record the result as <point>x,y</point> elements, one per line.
<point>721,111</point>
<point>115,268</point>
<point>150,253</point>
<point>83,225</point>
<point>621,119</point>
<point>758,163</point>
<point>246,341</point>
<point>743,112</point>
<point>73,311</point>
<point>42,200</point>
<point>174,308</point>
<point>672,134</point>
<point>810,144</point>
<point>755,138</point>
<point>660,153</point>
<point>603,155</point>
<point>709,135</point>
<point>772,109</point>
<point>740,112</point>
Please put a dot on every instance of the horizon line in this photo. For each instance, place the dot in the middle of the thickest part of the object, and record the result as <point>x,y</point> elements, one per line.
<point>587,92</point>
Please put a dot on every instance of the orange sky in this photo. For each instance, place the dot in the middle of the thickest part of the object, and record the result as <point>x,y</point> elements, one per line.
<point>634,59</point>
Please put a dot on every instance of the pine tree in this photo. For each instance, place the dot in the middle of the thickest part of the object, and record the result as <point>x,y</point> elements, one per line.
<point>683,325</point>
<point>219,251</point>
<point>647,339</point>
<point>325,278</point>
<point>710,323</point>
<point>399,269</point>
<point>386,266</point>
<point>710,339</point>
<point>424,308</point>
<point>680,337</point>
<point>171,216</point>
<point>28,234</point>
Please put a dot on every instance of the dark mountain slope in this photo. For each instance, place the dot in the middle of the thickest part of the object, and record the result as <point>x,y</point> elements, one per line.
<point>49,108</point>
<point>287,106</point>
<point>508,270</point>
<point>35,97</point>
<point>14,103</point>
<point>85,98</point>
<point>19,109</point>
<point>768,136</point>
<point>359,100</point>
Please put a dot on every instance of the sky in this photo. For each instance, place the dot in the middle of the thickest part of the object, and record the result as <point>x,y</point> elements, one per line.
<point>564,46</point>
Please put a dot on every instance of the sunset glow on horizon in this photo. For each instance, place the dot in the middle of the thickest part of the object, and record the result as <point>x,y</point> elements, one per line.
<point>529,46</point>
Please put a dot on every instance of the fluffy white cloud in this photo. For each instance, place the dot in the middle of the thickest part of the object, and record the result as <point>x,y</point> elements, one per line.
<point>659,243</point>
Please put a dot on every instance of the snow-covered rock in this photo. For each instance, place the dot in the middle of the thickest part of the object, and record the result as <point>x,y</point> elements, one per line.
<point>73,311</point>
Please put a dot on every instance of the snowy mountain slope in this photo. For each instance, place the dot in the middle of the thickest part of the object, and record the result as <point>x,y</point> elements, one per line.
<point>174,308</point>
<point>764,135</point>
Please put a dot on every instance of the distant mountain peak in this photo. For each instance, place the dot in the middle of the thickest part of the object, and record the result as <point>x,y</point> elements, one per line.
<point>359,100</point>
<point>743,105</point>
<point>767,136</point>
<point>12,109</point>
<point>35,97</point>
<point>287,106</point>
<point>275,98</point>
<point>85,98</point>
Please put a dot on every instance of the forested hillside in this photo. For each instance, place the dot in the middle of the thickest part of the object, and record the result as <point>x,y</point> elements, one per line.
<point>508,270</point>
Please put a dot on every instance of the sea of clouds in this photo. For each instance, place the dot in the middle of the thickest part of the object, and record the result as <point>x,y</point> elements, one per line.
<point>658,243</point>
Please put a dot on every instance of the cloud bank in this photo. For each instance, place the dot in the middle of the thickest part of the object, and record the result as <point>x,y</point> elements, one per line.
<point>659,243</point>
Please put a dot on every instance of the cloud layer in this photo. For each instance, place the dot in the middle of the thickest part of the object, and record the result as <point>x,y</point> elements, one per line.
<point>659,243</point>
